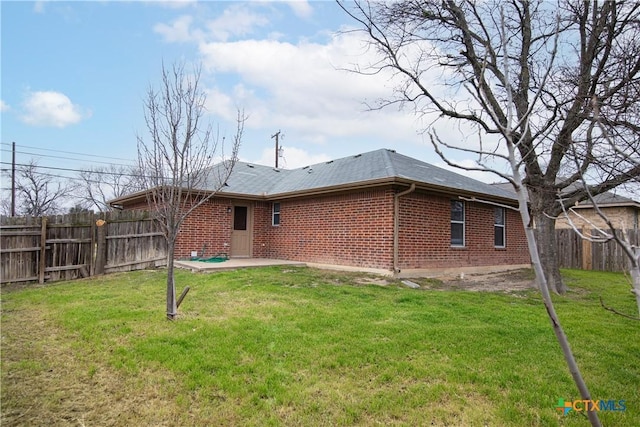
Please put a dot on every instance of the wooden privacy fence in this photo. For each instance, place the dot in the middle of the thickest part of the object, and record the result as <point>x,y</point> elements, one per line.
<point>575,252</point>
<point>66,247</point>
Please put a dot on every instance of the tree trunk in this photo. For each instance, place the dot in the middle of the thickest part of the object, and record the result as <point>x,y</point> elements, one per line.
<point>548,250</point>
<point>172,309</point>
<point>534,250</point>
<point>555,323</point>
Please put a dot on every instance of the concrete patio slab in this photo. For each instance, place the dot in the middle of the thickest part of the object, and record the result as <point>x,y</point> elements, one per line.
<point>234,263</point>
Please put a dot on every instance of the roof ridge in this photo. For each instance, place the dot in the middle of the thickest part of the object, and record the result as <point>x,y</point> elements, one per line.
<point>390,166</point>
<point>348,156</point>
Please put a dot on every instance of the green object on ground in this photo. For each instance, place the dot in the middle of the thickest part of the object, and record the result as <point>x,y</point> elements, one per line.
<point>212,259</point>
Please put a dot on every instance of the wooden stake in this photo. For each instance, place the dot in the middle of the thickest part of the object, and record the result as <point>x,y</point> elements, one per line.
<point>182,295</point>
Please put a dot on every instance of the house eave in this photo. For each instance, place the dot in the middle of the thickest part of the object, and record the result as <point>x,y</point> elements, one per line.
<point>609,205</point>
<point>458,192</point>
<point>129,198</point>
<point>142,196</point>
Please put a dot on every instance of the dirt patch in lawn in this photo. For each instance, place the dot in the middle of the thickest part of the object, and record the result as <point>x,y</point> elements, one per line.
<point>500,281</point>
<point>503,281</point>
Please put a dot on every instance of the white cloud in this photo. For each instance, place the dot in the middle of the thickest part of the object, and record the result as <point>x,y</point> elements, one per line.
<point>178,31</point>
<point>301,8</point>
<point>299,87</point>
<point>236,20</point>
<point>38,7</point>
<point>174,4</point>
<point>4,106</point>
<point>219,104</point>
<point>49,108</point>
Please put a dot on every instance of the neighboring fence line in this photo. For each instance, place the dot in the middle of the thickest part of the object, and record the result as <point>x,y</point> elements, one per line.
<point>575,252</point>
<point>66,247</point>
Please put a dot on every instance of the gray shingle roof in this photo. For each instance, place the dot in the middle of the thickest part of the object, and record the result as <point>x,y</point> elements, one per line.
<point>602,199</point>
<point>609,198</point>
<point>379,165</point>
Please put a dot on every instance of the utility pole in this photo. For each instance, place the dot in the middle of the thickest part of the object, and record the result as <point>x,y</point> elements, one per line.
<point>13,179</point>
<point>277,137</point>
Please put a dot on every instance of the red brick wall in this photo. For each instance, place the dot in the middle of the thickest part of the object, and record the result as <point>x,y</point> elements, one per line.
<point>425,235</point>
<point>209,225</point>
<point>261,229</point>
<point>354,229</point>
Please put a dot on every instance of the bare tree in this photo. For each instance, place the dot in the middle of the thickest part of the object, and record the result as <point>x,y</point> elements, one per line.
<point>439,49</point>
<point>37,194</point>
<point>529,72</point>
<point>5,204</point>
<point>176,164</point>
<point>100,184</point>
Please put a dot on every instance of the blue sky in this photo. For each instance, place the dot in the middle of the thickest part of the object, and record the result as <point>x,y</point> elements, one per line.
<point>75,74</point>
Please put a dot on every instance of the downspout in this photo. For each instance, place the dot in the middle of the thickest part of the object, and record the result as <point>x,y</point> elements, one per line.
<point>396,225</point>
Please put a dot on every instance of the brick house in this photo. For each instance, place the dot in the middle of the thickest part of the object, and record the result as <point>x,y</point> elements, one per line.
<point>624,213</point>
<point>377,210</point>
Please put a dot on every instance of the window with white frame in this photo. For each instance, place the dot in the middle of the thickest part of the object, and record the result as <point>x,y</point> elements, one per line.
<point>499,235</point>
<point>275,213</point>
<point>457,223</point>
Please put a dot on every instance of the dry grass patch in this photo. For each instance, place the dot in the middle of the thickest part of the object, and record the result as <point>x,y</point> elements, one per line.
<point>503,281</point>
<point>46,380</point>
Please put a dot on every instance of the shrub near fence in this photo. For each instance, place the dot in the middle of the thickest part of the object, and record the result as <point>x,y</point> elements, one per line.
<point>575,252</point>
<point>65,247</point>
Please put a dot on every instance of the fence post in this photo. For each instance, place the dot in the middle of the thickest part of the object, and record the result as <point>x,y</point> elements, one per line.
<point>43,249</point>
<point>101,249</point>
<point>587,256</point>
<point>92,255</point>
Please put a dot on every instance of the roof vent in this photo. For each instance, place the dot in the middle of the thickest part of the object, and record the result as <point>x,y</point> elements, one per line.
<point>306,167</point>
<point>310,170</point>
<point>390,150</point>
<point>251,166</point>
<point>330,161</point>
<point>357,155</point>
<point>276,170</point>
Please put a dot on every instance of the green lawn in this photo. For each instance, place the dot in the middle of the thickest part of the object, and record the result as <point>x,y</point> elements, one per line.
<point>299,346</point>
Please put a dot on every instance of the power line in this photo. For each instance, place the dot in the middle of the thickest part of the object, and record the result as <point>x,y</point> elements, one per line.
<point>65,158</point>
<point>79,170</point>
<point>68,152</point>
<point>73,178</point>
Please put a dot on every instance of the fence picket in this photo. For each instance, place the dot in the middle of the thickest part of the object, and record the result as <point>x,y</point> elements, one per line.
<point>573,252</point>
<point>69,246</point>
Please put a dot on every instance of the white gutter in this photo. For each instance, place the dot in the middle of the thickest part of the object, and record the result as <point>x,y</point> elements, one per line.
<point>396,224</point>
